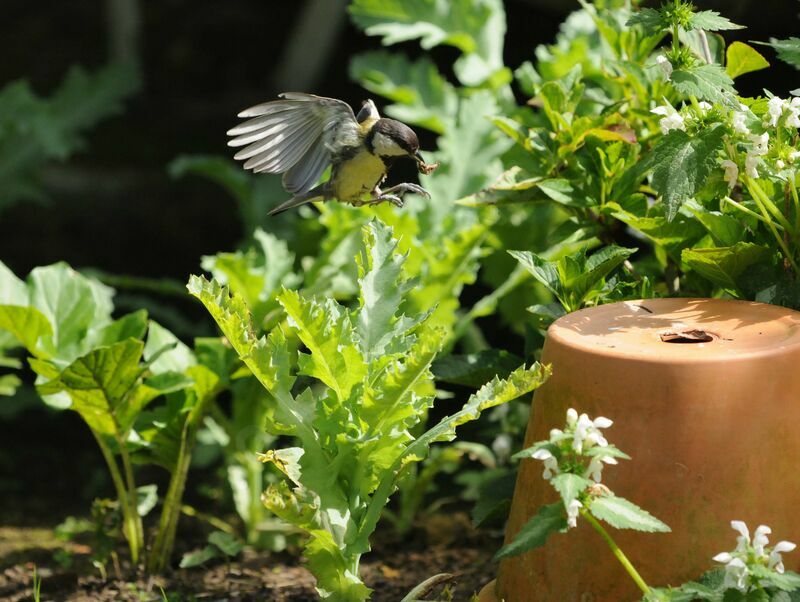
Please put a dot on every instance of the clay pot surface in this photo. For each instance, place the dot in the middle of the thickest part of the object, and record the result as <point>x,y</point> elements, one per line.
<point>713,429</point>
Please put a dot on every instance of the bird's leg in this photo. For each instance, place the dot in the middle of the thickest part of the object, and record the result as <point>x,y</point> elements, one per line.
<point>405,188</point>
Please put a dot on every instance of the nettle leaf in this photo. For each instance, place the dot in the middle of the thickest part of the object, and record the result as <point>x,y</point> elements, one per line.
<point>476,27</point>
<point>741,59</point>
<point>711,20</point>
<point>788,50</point>
<point>650,19</point>
<point>325,329</point>
<point>724,265</point>
<point>622,514</point>
<point>569,486</point>
<point>682,164</point>
<point>705,82</point>
<point>422,96</point>
<point>550,519</point>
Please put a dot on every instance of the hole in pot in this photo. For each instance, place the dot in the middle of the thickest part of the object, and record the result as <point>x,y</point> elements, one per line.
<point>687,336</point>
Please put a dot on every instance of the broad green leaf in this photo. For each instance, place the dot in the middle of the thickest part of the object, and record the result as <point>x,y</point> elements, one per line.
<point>103,387</point>
<point>422,96</point>
<point>569,486</point>
<point>130,326</point>
<point>193,559</point>
<point>13,291</point>
<point>622,514</point>
<point>711,20</point>
<point>788,50</point>
<point>26,324</point>
<point>724,265</point>
<point>325,329</point>
<point>550,519</point>
<point>475,369</point>
<point>705,82</point>
<point>650,19</point>
<point>475,27</point>
<point>171,355</point>
<point>741,59</point>
<point>725,229</point>
<point>682,164</point>
<point>673,236</point>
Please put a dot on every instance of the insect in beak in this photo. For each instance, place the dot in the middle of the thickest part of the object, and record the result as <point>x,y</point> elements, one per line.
<point>423,167</point>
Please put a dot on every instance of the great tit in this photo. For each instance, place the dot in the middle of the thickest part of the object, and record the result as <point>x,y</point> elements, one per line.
<point>302,134</point>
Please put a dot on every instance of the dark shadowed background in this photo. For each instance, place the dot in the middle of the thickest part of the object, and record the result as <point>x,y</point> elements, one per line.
<point>113,205</point>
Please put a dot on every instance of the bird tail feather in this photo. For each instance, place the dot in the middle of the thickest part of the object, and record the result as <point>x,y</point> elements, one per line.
<point>315,194</point>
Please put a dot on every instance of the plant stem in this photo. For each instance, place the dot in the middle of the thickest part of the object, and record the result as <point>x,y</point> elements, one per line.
<point>637,578</point>
<point>130,516</point>
<point>754,190</point>
<point>749,212</point>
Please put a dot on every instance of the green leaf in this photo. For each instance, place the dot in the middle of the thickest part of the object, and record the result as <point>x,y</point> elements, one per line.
<point>550,519</point>
<point>724,265</point>
<point>227,543</point>
<point>711,20</point>
<point>381,289</point>
<point>26,324</point>
<point>475,369</point>
<point>682,164</point>
<point>569,486</point>
<point>725,229</point>
<point>146,499</point>
<point>741,59</point>
<point>130,326</point>
<point>103,386</point>
<point>198,557</point>
<point>475,27</point>
<point>422,96</point>
<point>165,353</point>
<point>326,330</point>
<point>650,19</point>
<point>786,581</point>
<point>705,82</point>
<point>9,383</point>
<point>622,514</point>
<point>788,50</point>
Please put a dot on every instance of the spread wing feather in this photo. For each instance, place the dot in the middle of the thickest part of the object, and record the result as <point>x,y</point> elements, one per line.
<point>294,136</point>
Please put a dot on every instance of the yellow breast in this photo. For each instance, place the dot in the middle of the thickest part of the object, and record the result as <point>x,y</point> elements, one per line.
<point>358,176</point>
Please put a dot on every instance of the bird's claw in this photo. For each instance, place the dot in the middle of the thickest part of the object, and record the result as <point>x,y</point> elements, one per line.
<point>387,198</point>
<point>402,189</point>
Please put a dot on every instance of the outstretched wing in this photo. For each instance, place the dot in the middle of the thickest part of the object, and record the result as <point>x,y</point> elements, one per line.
<point>294,136</point>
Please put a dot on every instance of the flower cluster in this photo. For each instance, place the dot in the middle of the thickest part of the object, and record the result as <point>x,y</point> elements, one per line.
<point>672,119</point>
<point>579,448</point>
<point>741,563</point>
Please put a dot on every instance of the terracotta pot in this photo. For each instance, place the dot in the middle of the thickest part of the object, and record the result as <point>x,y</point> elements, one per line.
<point>712,428</point>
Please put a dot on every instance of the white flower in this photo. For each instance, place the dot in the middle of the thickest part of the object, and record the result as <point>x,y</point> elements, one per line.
<point>572,513</point>
<point>672,119</point>
<point>665,65</point>
<point>550,463</point>
<point>731,173</point>
<point>704,106</point>
<point>595,469</point>
<point>760,539</point>
<point>744,535</point>
<point>780,164</point>
<point>750,162</point>
<point>587,433</point>
<point>775,110</point>
<point>760,143</point>
<point>736,575</point>
<point>501,446</point>
<point>775,560</point>
<point>739,125</point>
<point>793,108</point>
<point>794,156</point>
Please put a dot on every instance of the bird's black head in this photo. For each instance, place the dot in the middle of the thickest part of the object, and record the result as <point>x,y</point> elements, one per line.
<point>390,138</point>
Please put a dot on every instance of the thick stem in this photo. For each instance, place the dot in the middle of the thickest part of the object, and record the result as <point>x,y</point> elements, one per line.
<point>130,516</point>
<point>634,574</point>
<point>133,501</point>
<point>170,513</point>
<point>757,195</point>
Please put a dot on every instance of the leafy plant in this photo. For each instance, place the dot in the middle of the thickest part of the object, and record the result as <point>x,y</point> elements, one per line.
<point>371,367</point>
<point>220,545</point>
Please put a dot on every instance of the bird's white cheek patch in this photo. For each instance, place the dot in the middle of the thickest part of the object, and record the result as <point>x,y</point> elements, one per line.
<point>386,147</point>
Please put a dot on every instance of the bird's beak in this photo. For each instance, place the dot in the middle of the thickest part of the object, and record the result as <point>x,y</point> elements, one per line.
<point>418,158</point>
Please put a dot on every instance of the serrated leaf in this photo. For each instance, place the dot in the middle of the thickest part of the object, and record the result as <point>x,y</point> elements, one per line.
<point>724,265</point>
<point>682,164</point>
<point>705,82</point>
<point>788,50</point>
<point>650,19</point>
<point>711,20</point>
<point>550,519</point>
<point>475,27</point>
<point>622,514</point>
<point>569,486</point>
<point>741,58</point>
<point>422,96</point>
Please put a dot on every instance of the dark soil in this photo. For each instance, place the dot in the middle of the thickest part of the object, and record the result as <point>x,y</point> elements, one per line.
<point>446,545</point>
